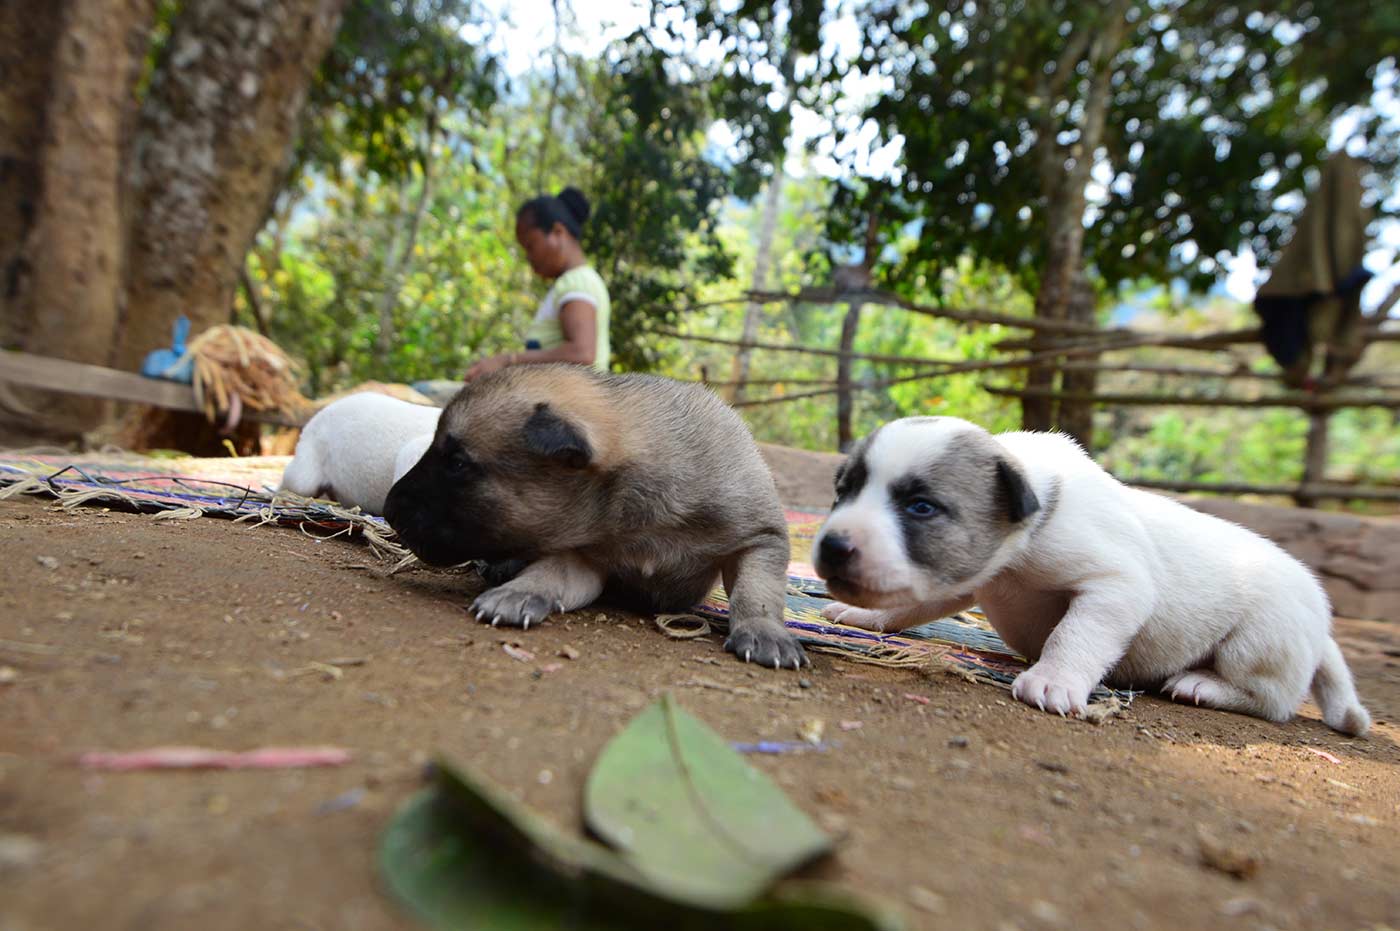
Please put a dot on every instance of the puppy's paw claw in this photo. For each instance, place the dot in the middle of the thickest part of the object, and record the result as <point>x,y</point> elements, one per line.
<point>1049,693</point>
<point>1196,687</point>
<point>508,608</point>
<point>777,648</point>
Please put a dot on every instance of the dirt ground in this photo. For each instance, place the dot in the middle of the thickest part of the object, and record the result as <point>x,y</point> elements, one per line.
<point>120,632</point>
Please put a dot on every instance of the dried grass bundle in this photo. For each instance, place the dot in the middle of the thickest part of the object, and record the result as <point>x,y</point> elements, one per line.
<point>236,367</point>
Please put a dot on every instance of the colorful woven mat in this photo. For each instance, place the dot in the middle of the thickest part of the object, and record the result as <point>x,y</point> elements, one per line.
<point>245,489</point>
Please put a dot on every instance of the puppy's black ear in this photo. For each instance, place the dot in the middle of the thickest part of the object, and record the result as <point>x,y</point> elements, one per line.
<point>548,434</point>
<point>1016,494</point>
<point>851,473</point>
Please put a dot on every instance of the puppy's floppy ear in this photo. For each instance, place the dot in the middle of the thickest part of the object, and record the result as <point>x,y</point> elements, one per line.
<point>855,459</point>
<point>548,434</point>
<point>1015,491</point>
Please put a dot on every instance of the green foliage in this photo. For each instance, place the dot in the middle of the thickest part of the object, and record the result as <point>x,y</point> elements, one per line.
<point>656,196</point>
<point>1215,111</point>
<point>393,63</point>
<point>629,132</point>
<point>1227,446</point>
<point>810,422</point>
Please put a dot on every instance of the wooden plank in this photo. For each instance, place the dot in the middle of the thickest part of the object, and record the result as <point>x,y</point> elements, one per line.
<point>96,381</point>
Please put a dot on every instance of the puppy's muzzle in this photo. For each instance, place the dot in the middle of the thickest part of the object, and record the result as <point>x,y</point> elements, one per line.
<point>834,553</point>
<point>838,560</point>
<point>417,529</point>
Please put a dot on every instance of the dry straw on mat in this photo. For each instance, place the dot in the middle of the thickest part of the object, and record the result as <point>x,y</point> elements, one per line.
<point>231,361</point>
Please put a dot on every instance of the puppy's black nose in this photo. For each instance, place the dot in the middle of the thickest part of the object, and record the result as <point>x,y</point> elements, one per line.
<point>835,551</point>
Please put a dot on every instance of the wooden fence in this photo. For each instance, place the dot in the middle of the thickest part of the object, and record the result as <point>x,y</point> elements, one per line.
<point>1071,346</point>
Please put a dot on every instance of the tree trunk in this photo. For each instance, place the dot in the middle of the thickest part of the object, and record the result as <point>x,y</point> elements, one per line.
<point>1064,176</point>
<point>1063,257</point>
<point>29,34</point>
<point>844,395</point>
<point>1077,417</point>
<point>753,311</point>
<point>68,305</point>
<point>215,136</point>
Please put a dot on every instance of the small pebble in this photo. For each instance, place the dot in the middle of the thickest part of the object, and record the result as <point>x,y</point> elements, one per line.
<point>804,683</point>
<point>18,851</point>
<point>958,741</point>
<point>1046,913</point>
<point>48,562</point>
<point>1242,905</point>
<point>927,900</point>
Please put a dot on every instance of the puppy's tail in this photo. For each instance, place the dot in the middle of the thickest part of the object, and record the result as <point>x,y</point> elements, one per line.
<point>1335,693</point>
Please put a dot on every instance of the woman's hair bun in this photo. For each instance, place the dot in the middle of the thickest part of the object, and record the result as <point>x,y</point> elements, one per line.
<point>576,203</point>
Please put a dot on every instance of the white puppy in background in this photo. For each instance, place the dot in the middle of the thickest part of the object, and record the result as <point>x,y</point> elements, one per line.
<point>355,448</point>
<point>1088,578</point>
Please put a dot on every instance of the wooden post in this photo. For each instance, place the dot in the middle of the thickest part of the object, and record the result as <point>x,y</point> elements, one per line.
<point>844,401</point>
<point>1315,457</point>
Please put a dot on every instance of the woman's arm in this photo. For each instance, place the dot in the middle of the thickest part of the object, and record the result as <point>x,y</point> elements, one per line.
<point>579,320</point>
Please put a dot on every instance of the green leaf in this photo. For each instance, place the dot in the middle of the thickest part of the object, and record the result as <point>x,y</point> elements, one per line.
<point>466,855</point>
<point>691,815</point>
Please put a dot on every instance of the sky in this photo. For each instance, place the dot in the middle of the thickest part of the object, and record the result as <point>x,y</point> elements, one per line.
<point>528,34</point>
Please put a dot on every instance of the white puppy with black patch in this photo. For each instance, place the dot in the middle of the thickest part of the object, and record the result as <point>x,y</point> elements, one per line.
<point>355,448</point>
<point>1090,579</point>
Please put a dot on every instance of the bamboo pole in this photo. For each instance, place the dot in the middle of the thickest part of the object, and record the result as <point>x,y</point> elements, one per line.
<point>808,350</point>
<point>1356,381</point>
<point>1297,400</point>
<point>1129,339</point>
<point>958,315</point>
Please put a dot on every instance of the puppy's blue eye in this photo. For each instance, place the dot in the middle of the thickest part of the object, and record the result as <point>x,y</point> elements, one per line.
<point>921,508</point>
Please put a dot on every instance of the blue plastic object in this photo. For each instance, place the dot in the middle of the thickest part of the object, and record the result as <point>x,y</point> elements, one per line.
<point>171,363</point>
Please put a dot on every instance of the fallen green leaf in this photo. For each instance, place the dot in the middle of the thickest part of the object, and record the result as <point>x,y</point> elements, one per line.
<point>464,855</point>
<point>691,815</point>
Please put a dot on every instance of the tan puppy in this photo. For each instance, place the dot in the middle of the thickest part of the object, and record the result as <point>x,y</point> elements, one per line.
<point>649,488</point>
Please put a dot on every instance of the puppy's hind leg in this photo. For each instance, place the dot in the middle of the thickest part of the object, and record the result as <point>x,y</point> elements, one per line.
<point>556,583</point>
<point>1253,672</point>
<point>756,580</point>
<point>1205,687</point>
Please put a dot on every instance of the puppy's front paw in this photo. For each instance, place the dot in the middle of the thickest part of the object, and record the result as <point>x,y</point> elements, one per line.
<point>1050,692</point>
<point>850,615</point>
<point>767,646</point>
<point>507,607</point>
